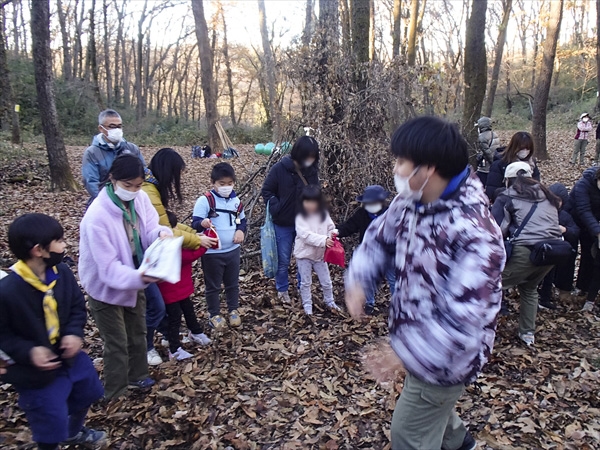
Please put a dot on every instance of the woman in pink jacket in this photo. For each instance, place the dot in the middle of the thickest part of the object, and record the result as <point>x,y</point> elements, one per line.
<point>314,229</point>
<point>116,229</point>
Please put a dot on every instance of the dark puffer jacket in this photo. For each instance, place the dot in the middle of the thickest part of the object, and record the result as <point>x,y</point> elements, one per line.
<point>358,223</point>
<point>495,178</point>
<point>283,187</point>
<point>585,200</point>
<point>564,214</point>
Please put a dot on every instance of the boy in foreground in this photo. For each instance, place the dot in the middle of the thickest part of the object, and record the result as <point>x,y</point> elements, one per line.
<point>42,315</point>
<point>447,250</point>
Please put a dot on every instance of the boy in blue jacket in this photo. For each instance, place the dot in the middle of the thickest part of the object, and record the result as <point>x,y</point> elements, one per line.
<point>222,210</point>
<point>42,315</point>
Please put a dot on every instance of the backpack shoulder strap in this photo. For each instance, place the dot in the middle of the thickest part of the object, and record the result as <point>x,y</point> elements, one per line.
<point>211,200</point>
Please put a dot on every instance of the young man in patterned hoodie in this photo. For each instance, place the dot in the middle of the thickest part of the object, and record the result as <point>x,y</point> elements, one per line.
<point>448,254</point>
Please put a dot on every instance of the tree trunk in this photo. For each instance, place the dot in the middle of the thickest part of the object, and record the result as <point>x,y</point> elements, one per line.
<point>207,81</point>
<point>107,70</point>
<point>475,69</point>
<point>346,28</point>
<point>92,55</point>
<point>489,106</point>
<point>411,51</point>
<point>360,25</point>
<point>60,172</point>
<point>397,30</point>
<point>598,55</point>
<point>118,47</point>
<point>16,33</point>
<point>308,24</point>
<point>139,67</point>
<point>8,115</point>
<point>78,49</point>
<point>269,69</point>
<point>228,71</point>
<point>542,91</point>
<point>67,65</point>
<point>372,30</point>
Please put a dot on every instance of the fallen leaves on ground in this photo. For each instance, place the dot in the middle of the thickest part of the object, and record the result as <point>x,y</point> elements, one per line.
<point>286,381</point>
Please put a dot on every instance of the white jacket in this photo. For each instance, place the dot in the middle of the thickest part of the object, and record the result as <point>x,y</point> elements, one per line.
<point>311,235</point>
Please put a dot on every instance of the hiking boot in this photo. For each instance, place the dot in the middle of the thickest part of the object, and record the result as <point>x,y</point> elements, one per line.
<point>146,383</point>
<point>217,322</point>
<point>200,338</point>
<point>234,319</point>
<point>180,355</point>
<point>547,305</point>
<point>588,307</point>
<point>527,338</point>
<point>504,311</point>
<point>308,310</point>
<point>88,438</point>
<point>284,297</point>
<point>154,358</point>
<point>369,310</point>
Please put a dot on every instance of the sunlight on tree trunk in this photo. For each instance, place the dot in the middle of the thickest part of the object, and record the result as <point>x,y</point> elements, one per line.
<point>489,106</point>
<point>475,70</point>
<point>207,81</point>
<point>542,91</point>
<point>270,72</point>
<point>60,171</point>
<point>397,28</point>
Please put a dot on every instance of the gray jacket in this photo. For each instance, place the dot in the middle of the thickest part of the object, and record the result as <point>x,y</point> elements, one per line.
<point>511,208</point>
<point>488,142</point>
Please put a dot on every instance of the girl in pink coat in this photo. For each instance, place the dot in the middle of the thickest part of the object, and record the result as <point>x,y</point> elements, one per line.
<point>314,230</point>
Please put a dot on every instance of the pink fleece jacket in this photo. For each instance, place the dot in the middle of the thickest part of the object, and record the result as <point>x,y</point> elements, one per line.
<point>311,236</point>
<point>106,268</point>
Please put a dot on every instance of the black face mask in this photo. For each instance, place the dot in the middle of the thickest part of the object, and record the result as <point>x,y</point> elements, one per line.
<point>54,259</point>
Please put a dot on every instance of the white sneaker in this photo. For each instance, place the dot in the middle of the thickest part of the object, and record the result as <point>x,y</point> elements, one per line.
<point>528,338</point>
<point>164,342</point>
<point>201,339</point>
<point>333,306</point>
<point>154,358</point>
<point>308,310</point>
<point>588,307</point>
<point>180,355</point>
<point>284,297</point>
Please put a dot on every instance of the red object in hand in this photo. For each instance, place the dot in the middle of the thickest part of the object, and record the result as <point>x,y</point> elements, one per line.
<point>335,255</point>
<point>212,233</point>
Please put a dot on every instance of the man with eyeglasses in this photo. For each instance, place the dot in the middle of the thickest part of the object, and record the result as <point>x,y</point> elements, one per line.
<point>106,146</point>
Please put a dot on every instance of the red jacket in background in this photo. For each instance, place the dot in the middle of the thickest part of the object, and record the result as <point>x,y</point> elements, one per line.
<point>173,293</point>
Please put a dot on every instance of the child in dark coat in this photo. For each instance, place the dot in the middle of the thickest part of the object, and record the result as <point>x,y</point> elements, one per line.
<point>561,276</point>
<point>178,302</point>
<point>373,205</point>
<point>42,315</point>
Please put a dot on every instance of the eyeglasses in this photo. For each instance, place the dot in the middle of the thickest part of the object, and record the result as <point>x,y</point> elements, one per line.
<point>112,126</point>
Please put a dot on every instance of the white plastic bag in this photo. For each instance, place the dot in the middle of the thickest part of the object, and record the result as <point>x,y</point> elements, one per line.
<point>162,259</point>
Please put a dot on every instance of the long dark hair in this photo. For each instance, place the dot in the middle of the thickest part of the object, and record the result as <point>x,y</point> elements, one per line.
<point>520,141</point>
<point>312,192</point>
<point>528,188</point>
<point>166,166</point>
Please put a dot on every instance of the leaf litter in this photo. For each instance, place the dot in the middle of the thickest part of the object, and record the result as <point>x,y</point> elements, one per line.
<point>286,381</point>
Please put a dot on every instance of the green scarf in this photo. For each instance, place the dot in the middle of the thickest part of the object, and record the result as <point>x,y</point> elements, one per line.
<point>131,219</point>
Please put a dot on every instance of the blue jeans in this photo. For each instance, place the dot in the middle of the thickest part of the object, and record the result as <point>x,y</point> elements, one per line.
<point>390,276</point>
<point>285,243</point>
<point>155,313</point>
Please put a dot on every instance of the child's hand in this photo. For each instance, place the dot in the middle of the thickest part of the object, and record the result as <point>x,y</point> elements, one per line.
<point>238,237</point>
<point>42,358</point>
<point>149,280</point>
<point>208,242</point>
<point>71,345</point>
<point>163,234</point>
<point>206,224</point>
<point>382,362</point>
<point>563,230</point>
<point>329,242</point>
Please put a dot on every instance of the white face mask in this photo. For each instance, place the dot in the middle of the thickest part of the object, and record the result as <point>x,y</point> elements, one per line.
<point>225,191</point>
<point>373,208</point>
<point>114,135</point>
<point>585,119</point>
<point>598,184</point>
<point>403,186</point>
<point>309,162</point>
<point>125,195</point>
<point>523,154</point>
